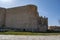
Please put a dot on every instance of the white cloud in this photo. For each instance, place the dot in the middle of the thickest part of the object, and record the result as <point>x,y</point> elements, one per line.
<point>6,1</point>
<point>43,13</point>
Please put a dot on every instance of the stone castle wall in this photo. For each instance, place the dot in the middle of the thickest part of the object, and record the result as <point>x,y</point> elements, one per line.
<point>2,16</point>
<point>24,17</point>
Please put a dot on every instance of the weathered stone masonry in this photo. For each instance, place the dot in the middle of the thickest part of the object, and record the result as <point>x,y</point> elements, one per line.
<point>24,17</point>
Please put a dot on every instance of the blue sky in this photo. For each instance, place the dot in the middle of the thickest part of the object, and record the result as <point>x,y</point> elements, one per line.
<point>48,8</point>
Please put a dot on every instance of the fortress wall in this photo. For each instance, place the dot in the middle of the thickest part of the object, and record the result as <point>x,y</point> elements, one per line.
<point>2,16</point>
<point>43,24</point>
<point>22,17</point>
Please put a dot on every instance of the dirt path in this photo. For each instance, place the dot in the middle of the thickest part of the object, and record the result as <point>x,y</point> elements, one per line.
<point>22,37</point>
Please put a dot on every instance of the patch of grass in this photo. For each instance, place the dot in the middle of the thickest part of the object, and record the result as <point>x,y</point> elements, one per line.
<point>27,33</point>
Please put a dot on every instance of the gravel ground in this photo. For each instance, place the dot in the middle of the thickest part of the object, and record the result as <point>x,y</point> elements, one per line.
<point>23,37</point>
